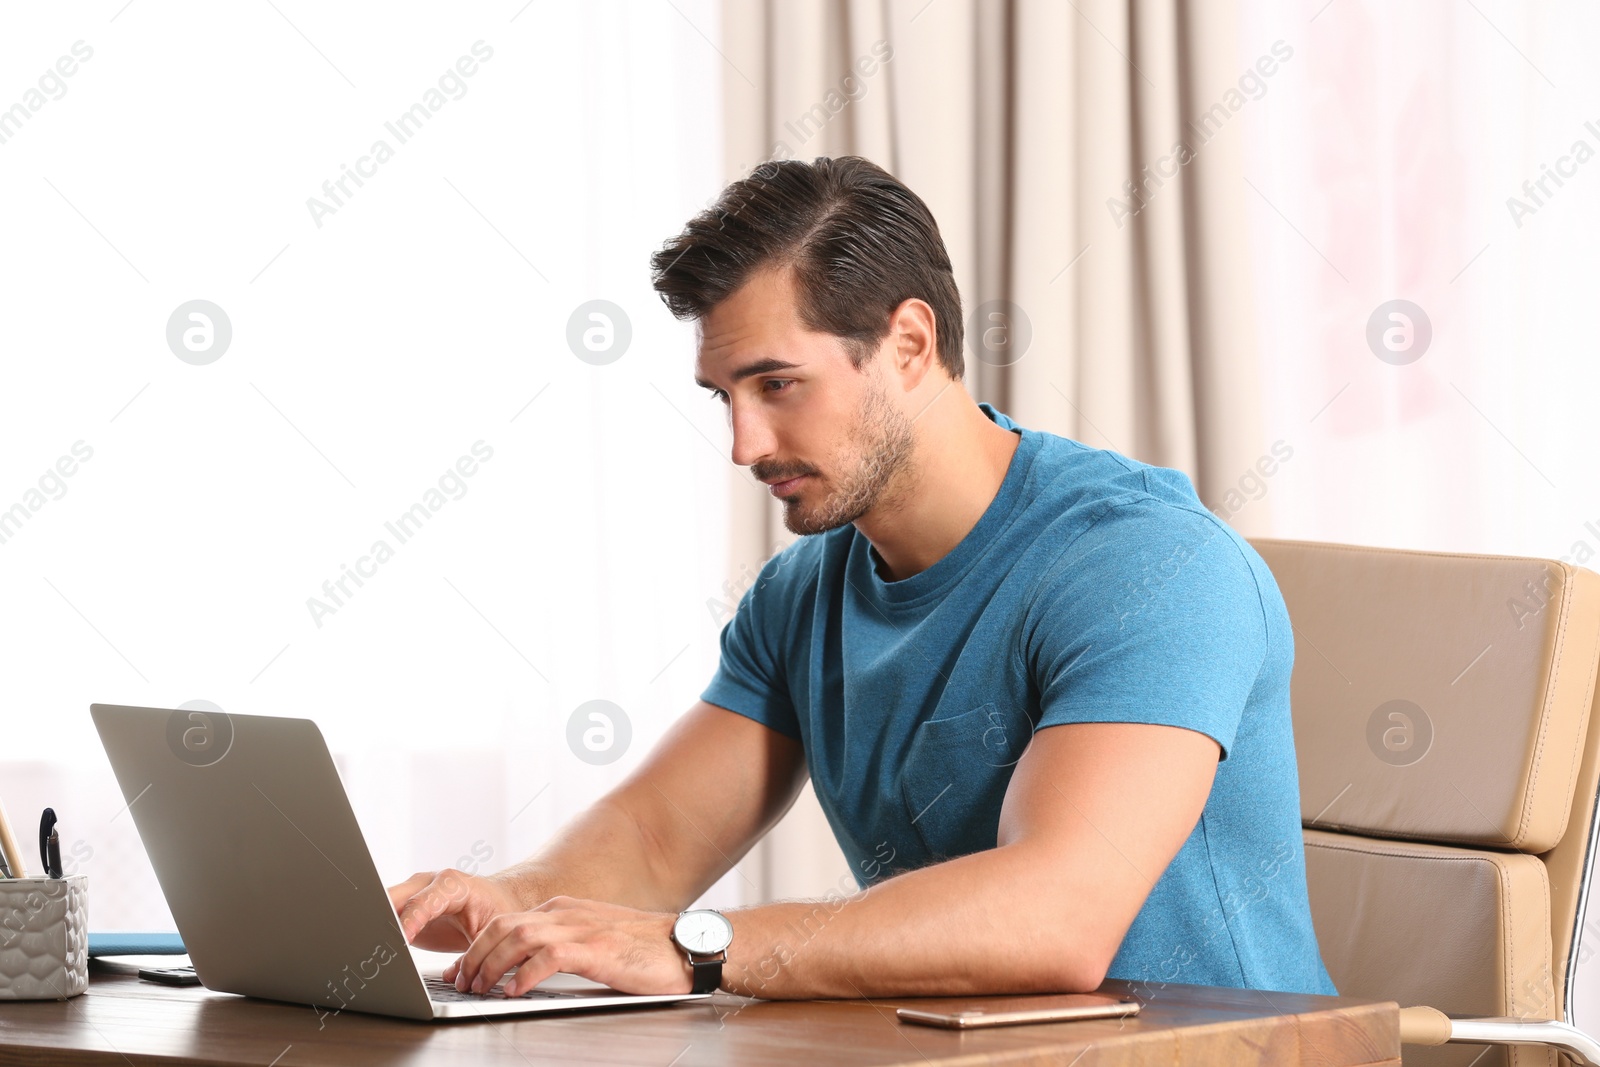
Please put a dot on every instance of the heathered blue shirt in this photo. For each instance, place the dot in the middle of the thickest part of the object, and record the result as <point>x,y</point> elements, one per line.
<point>1093,589</point>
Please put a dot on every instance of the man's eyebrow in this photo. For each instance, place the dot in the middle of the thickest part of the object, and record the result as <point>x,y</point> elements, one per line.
<point>750,370</point>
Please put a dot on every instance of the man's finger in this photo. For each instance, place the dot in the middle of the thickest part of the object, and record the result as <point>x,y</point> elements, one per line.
<point>399,894</point>
<point>442,895</point>
<point>533,954</point>
<point>493,932</point>
<point>524,930</point>
<point>542,965</point>
<point>417,913</point>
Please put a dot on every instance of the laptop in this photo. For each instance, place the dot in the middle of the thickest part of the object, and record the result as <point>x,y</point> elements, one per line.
<point>270,881</point>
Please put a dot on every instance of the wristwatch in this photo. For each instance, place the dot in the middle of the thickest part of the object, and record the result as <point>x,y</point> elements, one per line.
<point>704,935</point>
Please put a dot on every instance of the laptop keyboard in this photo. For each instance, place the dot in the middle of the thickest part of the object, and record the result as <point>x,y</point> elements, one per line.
<point>439,989</point>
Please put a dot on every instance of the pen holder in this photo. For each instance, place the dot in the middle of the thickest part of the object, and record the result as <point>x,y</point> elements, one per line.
<point>44,938</point>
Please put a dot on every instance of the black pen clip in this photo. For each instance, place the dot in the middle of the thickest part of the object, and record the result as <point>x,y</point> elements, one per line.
<point>49,844</point>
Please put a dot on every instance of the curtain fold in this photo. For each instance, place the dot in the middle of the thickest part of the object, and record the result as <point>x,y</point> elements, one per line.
<point>1086,177</point>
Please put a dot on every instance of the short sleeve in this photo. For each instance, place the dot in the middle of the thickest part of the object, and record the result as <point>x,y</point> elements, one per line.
<point>750,678</point>
<point>1153,615</point>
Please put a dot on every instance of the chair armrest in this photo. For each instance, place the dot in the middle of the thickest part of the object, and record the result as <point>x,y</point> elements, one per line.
<point>1424,1026</point>
<point>1428,1026</point>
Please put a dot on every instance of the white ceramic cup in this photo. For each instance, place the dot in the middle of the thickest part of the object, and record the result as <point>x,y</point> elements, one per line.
<point>44,938</point>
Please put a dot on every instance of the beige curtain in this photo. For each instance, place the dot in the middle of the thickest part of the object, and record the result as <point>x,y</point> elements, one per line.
<point>1022,123</point>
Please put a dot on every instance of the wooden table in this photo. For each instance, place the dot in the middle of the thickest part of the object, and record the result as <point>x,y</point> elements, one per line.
<point>123,1020</point>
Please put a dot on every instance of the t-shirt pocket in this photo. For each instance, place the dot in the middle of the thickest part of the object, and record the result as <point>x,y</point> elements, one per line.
<point>955,776</point>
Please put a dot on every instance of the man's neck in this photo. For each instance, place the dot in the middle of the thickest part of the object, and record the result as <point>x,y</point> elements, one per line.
<point>960,462</point>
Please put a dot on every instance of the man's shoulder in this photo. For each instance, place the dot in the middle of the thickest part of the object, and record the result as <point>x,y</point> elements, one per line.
<point>1081,491</point>
<point>1123,529</point>
<point>1067,466</point>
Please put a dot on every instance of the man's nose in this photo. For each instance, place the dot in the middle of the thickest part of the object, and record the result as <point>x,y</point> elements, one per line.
<point>752,437</point>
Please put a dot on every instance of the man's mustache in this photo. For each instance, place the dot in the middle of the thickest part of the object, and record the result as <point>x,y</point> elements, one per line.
<point>772,472</point>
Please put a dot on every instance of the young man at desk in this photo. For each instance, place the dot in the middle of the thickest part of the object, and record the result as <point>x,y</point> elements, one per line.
<point>1042,692</point>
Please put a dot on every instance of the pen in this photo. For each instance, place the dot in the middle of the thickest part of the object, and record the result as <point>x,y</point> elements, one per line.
<point>8,847</point>
<point>49,844</point>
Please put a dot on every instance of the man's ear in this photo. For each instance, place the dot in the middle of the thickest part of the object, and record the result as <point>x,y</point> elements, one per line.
<point>914,340</point>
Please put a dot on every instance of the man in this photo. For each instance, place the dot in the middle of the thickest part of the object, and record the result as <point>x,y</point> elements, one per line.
<point>1042,692</point>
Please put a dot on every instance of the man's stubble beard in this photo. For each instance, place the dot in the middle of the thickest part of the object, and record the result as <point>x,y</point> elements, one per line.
<point>884,443</point>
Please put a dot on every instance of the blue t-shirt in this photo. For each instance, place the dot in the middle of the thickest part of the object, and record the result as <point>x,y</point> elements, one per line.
<point>1093,589</point>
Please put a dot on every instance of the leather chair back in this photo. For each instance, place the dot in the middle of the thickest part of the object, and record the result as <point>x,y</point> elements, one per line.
<point>1442,705</point>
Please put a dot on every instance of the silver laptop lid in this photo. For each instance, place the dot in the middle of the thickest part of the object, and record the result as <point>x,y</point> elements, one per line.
<point>261,859</point>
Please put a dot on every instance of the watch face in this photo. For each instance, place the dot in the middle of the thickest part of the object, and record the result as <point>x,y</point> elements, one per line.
<point>703,931</point>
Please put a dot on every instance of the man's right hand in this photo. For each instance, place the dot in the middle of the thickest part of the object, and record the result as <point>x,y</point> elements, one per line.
<point>443,911</point>
<point>708,790</point>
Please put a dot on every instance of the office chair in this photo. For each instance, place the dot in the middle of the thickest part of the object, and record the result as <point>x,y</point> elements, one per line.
<point>1448,783</point>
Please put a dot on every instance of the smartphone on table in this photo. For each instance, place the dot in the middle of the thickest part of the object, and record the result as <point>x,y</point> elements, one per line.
<point>1016,1011</point>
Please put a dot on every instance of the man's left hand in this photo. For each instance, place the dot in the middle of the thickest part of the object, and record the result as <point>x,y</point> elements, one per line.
<point>629,950</point>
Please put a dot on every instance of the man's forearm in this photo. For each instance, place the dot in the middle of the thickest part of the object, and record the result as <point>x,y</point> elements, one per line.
<point>999,921</point>
<point>603,854</point>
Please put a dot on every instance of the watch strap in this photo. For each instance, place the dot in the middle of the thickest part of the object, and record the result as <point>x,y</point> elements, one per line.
<point>707,974</point>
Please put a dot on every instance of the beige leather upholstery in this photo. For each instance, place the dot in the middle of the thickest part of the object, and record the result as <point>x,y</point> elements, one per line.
<point>1466,928</point>
<point>1442,705</point>
<point>1497,653</point>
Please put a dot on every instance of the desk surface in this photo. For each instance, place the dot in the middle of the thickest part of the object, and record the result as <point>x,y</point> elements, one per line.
<point>123,1020</point>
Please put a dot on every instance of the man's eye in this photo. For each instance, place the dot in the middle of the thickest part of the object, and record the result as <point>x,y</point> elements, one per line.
<point>781,383</point>
<point>718,394</point>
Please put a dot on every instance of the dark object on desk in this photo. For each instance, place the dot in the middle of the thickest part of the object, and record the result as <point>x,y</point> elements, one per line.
<point>49,844</point>
<point>1065,1007</point>
<point>170,975</point>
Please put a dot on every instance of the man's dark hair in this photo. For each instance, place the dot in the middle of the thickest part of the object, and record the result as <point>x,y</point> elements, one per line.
<point>858,241</point>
